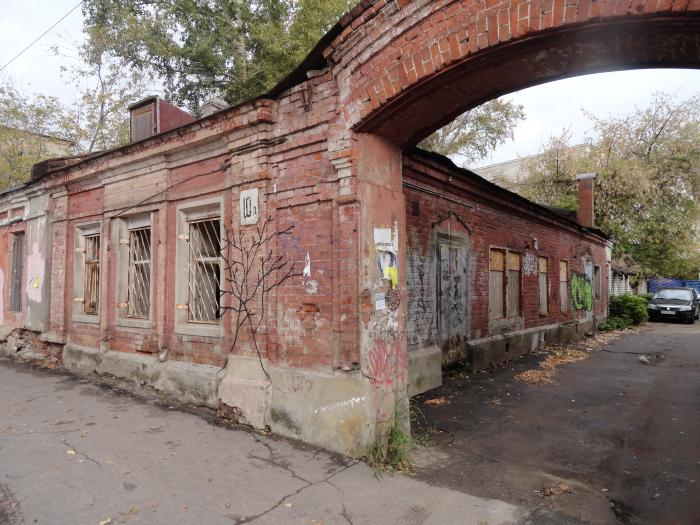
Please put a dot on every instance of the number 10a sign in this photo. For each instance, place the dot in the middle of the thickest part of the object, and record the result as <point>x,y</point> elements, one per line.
<point>249,207</point>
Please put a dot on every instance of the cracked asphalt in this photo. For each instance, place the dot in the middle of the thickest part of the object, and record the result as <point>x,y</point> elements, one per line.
<point>622,436</point>
<point>72,452</point>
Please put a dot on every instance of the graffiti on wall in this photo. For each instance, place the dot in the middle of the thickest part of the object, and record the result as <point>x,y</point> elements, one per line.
<point>581,292</point>
<point>529,264</point>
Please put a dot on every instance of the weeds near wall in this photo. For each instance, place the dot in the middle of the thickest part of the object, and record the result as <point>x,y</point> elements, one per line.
<point>251,272</point>
<point>392,452</point>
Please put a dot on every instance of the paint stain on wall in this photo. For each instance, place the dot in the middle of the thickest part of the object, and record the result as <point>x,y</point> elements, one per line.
<point>35,274</point>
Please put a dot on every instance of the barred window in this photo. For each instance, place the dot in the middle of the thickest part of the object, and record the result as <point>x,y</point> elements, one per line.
<point>17,270</point>
<point>139,277</point>
<point>204,280</point>
<point>91,288</point>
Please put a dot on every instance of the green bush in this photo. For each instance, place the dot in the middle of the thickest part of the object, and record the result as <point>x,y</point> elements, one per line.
<point>614,323</point>
<point>632,307</point>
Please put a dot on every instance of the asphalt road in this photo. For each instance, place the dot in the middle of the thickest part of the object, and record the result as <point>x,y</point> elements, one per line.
<point>622,435</point>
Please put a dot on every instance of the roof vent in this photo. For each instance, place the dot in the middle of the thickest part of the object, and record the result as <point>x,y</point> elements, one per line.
<point>154,115</point>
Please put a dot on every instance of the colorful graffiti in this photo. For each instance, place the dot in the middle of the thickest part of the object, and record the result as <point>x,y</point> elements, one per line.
<point>581,292</point>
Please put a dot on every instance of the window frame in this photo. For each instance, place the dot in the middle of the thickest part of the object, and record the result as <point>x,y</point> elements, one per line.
<point>543,273</point>
<point>565,309</point>
<point>16,288</point>
<point>503,272</point>
<point>597,283</point>
<point>187,213</point>
<point>509,313</point>
<point>121,245</point>
<point>81,232</point>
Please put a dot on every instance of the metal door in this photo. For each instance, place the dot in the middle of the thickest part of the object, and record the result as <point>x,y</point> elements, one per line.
<point>452,296</point>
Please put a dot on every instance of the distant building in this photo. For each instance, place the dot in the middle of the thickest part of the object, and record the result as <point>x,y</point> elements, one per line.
<point>19,150</point>
<point>515,169</point>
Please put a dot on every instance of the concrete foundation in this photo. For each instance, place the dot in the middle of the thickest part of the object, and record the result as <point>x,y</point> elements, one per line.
<point>425,365</point>
<point>334,411</point>
<point>185,382</point>
<point>424,370</point>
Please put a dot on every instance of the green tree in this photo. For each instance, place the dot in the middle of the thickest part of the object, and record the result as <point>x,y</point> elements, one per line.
<point>27,125</point>
<point>233,49</point>
<point>474,134</point>
<point>648,184</point>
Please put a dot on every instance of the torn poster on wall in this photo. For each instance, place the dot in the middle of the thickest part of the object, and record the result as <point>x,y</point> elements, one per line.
<point>386,242</point>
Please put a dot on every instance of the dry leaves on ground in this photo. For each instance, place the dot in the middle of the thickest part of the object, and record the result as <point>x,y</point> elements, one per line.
<point>554,489</point>
<point>437,401</point>
<point>558,355</point>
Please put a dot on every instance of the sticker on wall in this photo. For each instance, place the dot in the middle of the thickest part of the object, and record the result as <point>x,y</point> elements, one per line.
<point>379,301</point>
<point>386,242</point>
<point>307,266</point>
<point>249,207</point>
<point>393,300</point>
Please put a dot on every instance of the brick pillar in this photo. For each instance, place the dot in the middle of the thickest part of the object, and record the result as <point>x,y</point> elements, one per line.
<point>585,214</point>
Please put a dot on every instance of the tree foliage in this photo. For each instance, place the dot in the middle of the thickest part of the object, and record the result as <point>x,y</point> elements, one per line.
<point>648,184</point>
<point>26,125</point>
<point>474,134</point>
<point>233,49</point>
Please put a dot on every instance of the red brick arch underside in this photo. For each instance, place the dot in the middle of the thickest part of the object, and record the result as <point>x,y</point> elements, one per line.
<point>405,68</point>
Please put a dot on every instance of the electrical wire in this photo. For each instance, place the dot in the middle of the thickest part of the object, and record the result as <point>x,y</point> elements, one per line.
<point>41,36</point>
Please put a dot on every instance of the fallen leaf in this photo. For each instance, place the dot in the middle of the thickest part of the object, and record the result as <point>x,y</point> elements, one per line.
<point>70,452</point>
<point>106,522</point>
<point>289,504</point>
<point>437,401</point>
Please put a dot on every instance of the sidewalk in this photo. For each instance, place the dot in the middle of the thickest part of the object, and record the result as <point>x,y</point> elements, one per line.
<point>74,453</point>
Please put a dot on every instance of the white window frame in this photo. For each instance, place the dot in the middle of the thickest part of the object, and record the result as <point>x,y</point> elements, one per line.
<point>80,233</point>
<point>120,238</point>
<point>186,213</point>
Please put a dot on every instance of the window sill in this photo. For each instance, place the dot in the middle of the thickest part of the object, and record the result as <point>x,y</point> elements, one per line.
<point>126,322</point>
<point>200,329</point>
<point>86,318</point>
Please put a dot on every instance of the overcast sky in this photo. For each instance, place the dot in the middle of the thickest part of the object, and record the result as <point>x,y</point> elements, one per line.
<point>550,107</point>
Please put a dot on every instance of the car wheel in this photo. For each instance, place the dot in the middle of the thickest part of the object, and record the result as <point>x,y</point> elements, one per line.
<point>691,319</point>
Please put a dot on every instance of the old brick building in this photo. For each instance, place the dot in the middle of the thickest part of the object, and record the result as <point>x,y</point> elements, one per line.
<point>402,262</point>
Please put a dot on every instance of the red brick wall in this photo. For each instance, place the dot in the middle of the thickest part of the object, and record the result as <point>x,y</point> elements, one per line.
<point>489,218</point>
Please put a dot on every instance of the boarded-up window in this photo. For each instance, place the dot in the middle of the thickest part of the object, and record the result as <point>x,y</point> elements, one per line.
<point>142,125</point>
<point>204,271</point>
<point>597,283</point>
<point>497,265</point>
<point>564,286</point>
<point>513,286</point>
<point>139,278</point>
<point>91,289</point>
<point>543,283</point>
<point>17,269</point>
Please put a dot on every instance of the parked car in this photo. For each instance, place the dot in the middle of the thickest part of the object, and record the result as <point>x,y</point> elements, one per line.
<point>675,303</point>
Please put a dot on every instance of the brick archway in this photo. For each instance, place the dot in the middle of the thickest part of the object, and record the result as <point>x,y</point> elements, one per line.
<point>405,68</point>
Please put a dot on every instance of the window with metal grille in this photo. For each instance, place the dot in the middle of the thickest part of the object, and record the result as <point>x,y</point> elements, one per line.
<point>17,269</point>
<point>204,271</point>
<point>564,286</point>
<point>543,282</point>
<point>139,278</point>
<point>91,289</point>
